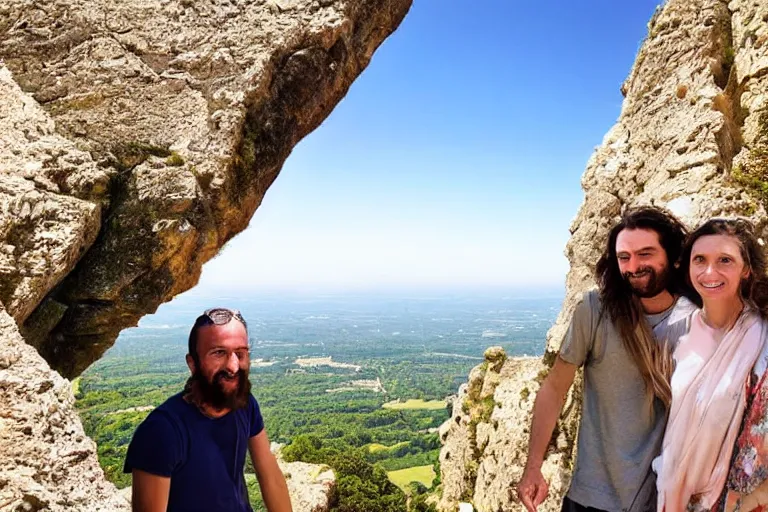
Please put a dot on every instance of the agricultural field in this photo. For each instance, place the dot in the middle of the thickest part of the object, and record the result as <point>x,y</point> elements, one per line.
<point>421,474</point>
<point>416,404</point>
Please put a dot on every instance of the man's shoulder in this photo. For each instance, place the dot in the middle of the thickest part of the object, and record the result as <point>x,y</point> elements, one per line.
<point>252,408</point>
<point>592,295</point>
<point>173,406</point>
<point>588,305</point>
<point>255,421</point>
<point>159,442</point>
<point>167,415</point>
<point>683,308</point>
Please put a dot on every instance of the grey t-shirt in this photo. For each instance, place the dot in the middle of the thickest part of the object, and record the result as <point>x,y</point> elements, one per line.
<point>618,438</point>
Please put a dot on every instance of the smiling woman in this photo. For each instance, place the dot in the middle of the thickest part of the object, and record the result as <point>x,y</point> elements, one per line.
<point>724,264</point>
<point>717,271</point>
<point>719,364</point>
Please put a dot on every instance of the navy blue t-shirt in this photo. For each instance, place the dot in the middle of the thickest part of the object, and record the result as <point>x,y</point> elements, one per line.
<point>204,457</point>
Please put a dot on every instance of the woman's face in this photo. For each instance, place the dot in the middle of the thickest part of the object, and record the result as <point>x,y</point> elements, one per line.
<point>717,267</point>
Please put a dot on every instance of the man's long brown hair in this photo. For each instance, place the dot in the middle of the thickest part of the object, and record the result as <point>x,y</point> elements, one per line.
<point>653,359</point>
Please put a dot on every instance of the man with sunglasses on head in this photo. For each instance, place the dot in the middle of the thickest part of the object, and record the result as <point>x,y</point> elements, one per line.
<point>189,453</point>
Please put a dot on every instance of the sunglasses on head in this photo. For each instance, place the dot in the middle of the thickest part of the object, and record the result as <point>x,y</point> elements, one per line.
<point>220,316</point>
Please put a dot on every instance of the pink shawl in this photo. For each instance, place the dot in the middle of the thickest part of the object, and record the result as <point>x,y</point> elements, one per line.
<point>708,400</point>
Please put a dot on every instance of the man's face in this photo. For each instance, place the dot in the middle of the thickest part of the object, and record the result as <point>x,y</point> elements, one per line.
<point>222,374</point>
<point>642,261</point>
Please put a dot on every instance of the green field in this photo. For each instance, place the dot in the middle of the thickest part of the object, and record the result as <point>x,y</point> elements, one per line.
<point>402,477</point>
<point>411,403</point>
<point>376,447</point>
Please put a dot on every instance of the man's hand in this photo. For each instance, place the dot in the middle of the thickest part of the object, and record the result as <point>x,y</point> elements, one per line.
<point>532,489</point>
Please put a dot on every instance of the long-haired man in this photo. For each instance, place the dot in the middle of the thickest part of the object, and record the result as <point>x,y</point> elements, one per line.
<point>622,334</point>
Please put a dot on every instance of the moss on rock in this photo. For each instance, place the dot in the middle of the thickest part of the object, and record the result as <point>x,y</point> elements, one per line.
<point>752,173</point>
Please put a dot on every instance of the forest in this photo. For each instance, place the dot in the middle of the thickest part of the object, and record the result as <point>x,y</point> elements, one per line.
<point>360,388</point>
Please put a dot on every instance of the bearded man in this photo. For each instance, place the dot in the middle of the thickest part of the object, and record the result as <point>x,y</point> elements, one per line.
<point>189,453</point>
<point>622,334</point>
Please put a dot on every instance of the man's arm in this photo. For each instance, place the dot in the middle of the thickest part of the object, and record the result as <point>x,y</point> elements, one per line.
<point>274,490</point>
<point>533,489</point>
<point>150,492</point>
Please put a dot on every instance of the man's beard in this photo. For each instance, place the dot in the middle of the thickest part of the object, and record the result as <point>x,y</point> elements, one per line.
<point>199,389</point>
<point>656,284</point>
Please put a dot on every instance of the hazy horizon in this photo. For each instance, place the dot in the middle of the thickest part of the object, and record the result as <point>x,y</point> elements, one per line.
<point>260,305</point>
<point>379,290</point>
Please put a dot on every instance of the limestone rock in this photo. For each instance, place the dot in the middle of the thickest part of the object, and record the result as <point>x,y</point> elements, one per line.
<point>692,136</point>
<point>310,485</point>
<point>495,356</point>
<point>456,457</point>
<point>168,121</point>
<point>136,139</point>
<point>48,461</point>
<point>50,201</point>
<point>484,453</point>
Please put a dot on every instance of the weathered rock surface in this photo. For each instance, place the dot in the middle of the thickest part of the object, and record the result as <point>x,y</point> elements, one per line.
<point>174,117</point>
<point>48,463</point>
<point>310,485</point>
<point>50,195</point>
<point>136,138</point>
<point>692,136</point>
<point>480,457</point>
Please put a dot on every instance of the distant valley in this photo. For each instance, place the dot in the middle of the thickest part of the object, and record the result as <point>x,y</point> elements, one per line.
<point>360,376</point>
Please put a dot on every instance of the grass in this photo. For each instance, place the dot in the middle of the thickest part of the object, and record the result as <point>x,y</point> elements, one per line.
<point>80,102</point>
<point>129,155</point>
<point>402,477</point>
<point>376,447</point>
<point>175,160</point>
<point>411,403</point>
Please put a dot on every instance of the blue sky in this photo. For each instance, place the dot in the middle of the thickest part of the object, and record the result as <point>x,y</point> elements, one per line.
<point>455,159</point>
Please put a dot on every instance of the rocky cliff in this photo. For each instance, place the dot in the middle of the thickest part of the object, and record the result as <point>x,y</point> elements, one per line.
<point>136,138</point>
<point>692,136</point>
